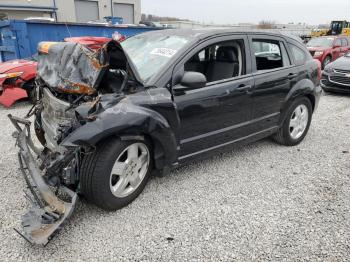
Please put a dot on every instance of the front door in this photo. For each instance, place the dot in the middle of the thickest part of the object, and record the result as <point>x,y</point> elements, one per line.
<point>218,113</point>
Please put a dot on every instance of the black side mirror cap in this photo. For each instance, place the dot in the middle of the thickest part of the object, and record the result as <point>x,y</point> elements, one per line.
<point>190,81</point>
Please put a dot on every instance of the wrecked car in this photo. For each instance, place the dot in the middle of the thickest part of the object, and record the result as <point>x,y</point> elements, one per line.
<point>17,80</point>
<point>108,119</point>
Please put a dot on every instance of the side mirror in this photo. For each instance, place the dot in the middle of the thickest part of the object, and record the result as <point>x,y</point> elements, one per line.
<point>190,81</point>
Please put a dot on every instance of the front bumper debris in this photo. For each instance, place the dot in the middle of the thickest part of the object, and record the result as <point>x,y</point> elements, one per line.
<point>50,209</point>
<point>12,94</point>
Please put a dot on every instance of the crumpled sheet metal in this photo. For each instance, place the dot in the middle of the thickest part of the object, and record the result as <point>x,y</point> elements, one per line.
<point>71,67</point>
<point>49,212</point>
<point>118,115</point>
<point>12,94</point>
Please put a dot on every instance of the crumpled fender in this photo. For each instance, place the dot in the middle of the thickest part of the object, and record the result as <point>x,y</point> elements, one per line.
<point>12,94</point>
<point>128,119</point>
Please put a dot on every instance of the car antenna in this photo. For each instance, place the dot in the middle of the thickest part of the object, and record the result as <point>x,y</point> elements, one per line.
<point>70,35</point>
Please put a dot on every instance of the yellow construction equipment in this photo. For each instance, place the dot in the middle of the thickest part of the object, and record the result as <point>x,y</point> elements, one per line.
<point>336,28</point>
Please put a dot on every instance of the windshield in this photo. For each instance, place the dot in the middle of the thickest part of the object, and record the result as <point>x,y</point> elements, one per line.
<point>150,52</point>
<point>321,42</point>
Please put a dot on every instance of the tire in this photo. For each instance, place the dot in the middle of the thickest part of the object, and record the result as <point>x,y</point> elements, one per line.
<point>326,61</point>
<point>97,178</point>
<point>285,135</point>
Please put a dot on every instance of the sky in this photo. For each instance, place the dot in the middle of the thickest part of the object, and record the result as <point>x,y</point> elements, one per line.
<point>312,12</point>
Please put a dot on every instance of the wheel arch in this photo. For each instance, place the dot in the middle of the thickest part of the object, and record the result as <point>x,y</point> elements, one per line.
<point>304,88</point>
<point>138,124</point>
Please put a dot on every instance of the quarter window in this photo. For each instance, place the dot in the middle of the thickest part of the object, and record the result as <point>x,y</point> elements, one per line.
<point>269,54</point>
<point>298,54</point>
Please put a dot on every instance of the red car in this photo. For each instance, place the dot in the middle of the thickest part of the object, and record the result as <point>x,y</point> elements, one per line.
<point>326,49</point>
<point>17,76</point>
<point>17,80</point>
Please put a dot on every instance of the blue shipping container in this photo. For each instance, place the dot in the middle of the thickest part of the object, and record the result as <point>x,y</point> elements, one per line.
<point>20,38</point>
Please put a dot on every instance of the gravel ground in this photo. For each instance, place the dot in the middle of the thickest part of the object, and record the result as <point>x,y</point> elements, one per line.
<point>260,202</point>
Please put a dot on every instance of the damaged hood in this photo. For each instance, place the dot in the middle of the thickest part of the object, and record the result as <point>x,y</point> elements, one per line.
<point>76,69</point>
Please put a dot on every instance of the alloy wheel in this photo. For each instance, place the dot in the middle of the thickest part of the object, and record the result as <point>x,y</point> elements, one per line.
<point>298,122</point>
<point>129,170</point>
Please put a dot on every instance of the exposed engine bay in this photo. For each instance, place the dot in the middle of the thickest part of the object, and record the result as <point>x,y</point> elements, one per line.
<point>74,85</point>
<point>71,75</point>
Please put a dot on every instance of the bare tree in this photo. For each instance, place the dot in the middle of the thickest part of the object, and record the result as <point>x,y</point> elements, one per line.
<point>265,24</point>
<point>154,18</point>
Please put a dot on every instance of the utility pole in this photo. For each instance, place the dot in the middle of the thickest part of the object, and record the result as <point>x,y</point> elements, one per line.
<point>55,11</point>
<point>112,10</point>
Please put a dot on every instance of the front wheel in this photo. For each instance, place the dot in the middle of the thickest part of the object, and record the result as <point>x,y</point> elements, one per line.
<point>296,124</point>
<point>116,173</point>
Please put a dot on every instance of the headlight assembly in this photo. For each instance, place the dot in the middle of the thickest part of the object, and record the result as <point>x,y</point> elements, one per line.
<point>11,75</point>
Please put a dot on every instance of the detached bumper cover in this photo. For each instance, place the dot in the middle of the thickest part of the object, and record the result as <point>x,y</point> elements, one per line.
<point>12,94</point>
<point>48,212</point>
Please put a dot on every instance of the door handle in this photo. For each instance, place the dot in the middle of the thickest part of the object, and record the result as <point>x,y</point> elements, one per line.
<point>244,87</point>
<point>291,76</point>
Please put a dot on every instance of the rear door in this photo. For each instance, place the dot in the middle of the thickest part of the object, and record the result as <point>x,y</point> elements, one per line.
<point>344,46</point>
<point>337,46</point>
<point>274,75</point>
<point>219,113</point>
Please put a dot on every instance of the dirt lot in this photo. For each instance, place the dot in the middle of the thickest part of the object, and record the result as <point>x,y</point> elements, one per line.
<point>260,202</point>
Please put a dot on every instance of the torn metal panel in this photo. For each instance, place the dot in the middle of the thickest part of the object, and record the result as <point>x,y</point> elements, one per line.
<point>71,67</point>
<point>12,94</point>
<point>49,212</point>
<point>118,115</point>
<point>75,69</point>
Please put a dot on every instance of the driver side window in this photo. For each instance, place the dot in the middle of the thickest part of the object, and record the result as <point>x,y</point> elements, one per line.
<point>220,61</point>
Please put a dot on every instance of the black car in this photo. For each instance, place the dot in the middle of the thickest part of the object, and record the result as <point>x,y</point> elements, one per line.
<point>108,119</point>
<point>336,76</point>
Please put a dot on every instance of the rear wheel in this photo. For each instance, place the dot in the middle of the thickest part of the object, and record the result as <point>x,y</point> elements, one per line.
<point>116,173</point>
<point>296,124</point>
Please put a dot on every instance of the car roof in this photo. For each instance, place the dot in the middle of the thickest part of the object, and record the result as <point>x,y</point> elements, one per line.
<point>203,33</point>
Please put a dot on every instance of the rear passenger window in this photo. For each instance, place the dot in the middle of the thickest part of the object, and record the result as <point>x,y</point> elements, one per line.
<point>344,42</point>
<point>269,54</point>
<point>337,43</point>
<point>298,54</point>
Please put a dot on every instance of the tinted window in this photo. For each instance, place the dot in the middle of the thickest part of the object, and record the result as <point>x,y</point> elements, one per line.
<point>298,54</point>
<point>269,54</point>
<point>344,42</point>
<point>220,61</point>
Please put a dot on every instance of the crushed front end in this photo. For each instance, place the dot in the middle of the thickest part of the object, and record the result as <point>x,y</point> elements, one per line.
<point>52,203</point>
<point>73,83</point>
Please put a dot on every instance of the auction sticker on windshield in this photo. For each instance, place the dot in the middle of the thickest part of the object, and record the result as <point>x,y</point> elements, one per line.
<point>167,52</point>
